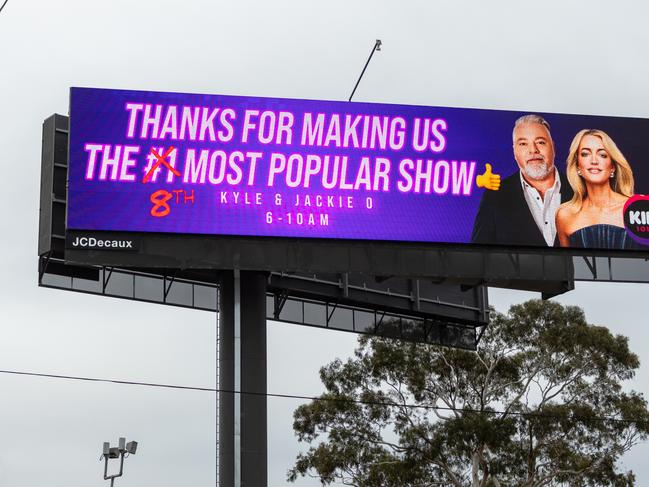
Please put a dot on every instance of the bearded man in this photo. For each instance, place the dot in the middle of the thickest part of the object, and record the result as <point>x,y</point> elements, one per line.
<point>523,211</point>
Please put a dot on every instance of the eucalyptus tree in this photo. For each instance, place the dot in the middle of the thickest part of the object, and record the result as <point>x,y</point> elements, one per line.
<point>540,403</point>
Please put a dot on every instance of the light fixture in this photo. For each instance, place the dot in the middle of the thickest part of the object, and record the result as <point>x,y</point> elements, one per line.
<point>117,452</point>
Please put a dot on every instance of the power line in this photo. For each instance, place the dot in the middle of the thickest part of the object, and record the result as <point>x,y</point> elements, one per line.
<point>123,382</point>
<point>3,5</point>
<point>311,398</point>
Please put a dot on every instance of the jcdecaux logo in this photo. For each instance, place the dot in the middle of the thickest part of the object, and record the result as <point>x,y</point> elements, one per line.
<point>87,242</point>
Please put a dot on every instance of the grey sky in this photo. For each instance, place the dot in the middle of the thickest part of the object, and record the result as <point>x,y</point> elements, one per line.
<point>568,56</point>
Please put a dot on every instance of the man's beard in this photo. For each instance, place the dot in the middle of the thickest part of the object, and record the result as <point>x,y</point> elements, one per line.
<point>538,171</point>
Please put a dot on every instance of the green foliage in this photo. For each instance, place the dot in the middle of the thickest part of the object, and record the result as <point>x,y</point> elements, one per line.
<point>526,409</point>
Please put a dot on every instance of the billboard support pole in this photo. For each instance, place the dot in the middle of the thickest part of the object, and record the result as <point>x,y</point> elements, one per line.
<point>243,425</point>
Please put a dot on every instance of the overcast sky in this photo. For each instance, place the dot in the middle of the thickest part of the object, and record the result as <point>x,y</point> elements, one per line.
<point>568,56</point>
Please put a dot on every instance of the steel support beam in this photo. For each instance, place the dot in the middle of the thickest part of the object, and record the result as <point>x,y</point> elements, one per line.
<point>243,425</point>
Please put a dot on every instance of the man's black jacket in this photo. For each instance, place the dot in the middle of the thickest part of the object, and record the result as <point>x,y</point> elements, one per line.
<point>504,217</point>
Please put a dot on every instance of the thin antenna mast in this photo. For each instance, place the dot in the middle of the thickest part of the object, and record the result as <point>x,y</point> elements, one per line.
<point>376,47</point>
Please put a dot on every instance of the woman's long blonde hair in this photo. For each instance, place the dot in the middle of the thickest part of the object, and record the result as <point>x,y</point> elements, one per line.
<point>621,182</point>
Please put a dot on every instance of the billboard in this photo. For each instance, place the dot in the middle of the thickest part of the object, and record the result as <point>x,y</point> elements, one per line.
<point>267,167</point>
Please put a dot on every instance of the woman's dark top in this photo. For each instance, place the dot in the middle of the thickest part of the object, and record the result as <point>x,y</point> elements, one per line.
<point>602,237</point>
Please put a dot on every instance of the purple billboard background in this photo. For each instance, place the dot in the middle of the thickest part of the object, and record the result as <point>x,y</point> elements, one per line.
<point>380,210</point>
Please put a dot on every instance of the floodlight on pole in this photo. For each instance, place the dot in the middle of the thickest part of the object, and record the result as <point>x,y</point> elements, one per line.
<point>117,452</point>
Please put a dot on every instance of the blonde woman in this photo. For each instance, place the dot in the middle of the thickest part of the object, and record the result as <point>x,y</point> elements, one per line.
<point>602,181</point>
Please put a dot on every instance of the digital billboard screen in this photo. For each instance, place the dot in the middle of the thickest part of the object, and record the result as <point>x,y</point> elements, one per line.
<point>271,167</point>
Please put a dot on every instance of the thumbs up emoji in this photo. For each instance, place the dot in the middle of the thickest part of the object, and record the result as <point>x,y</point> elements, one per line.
<point>488,180</point>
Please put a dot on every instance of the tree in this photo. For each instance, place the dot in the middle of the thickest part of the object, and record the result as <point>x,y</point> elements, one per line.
<point>540,403</point>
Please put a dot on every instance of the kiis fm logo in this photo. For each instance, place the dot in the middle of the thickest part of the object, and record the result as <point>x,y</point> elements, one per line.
<point>636,218</point>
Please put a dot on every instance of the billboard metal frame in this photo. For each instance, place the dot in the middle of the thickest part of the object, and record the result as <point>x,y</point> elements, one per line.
<point>285,302</point>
